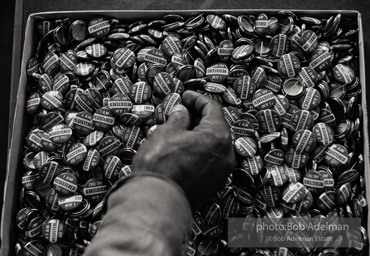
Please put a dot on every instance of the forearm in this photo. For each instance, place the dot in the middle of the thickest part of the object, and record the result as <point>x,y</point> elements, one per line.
<point>146,216</point>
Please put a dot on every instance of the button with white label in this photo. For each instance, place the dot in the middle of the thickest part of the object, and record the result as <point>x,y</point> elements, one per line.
<point>289,65</point>
<point>336,155</point>
<point>245,146</point>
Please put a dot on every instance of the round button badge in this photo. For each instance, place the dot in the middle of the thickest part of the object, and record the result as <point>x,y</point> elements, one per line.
<point>303,141</point>
<point>314,182</point>
<point>294,192</point>
<point>65,184</point>
<point>323,133</point>
<point>336,155</point>
<point>245,146</point>
<point>269,120</point>
<point>289,65</point>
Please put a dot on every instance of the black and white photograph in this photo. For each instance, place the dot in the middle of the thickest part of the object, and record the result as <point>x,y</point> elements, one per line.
<point>184,128</point>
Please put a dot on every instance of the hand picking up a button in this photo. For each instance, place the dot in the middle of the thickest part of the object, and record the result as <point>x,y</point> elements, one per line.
<point>193,148</point>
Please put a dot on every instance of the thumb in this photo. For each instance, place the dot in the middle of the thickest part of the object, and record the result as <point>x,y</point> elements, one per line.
<point>179,116</point>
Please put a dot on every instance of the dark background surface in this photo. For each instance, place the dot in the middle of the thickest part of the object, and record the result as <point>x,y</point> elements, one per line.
<point>26,7</point>
<point>6,46</point>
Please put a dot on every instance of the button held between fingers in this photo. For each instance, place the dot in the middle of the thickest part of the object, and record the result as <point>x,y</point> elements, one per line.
<point>209,111</point>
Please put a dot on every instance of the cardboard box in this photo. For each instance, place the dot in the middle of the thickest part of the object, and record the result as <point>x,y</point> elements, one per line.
<point>20,124</point>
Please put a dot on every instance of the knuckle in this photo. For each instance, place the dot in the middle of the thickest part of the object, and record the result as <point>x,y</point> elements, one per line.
<point>145,159</point>
<point>163,129</point>
<point>141,157</point>
<point>223,138</point>
<point>181,119</point>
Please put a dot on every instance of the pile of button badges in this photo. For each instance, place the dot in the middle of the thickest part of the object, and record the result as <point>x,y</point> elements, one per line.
<point>290,90</point>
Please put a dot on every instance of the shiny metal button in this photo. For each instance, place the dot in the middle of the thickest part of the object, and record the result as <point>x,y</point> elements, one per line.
<point>163,84</point>
<point>269,120</point>
<point>294,193</point>
<point>336,155</point>
<point>263,99</point>
<point>289,65</point>
<point>217,73</point>
<point>343,74</point>
<point>303,141</point>
<point>98,27</point>
<point>292,88</point>
<point>109,145</point>
<point>295,159</point>
<point>65,184</point>
<point>70,203</point>
<point>314,182</point>
<point>94,190</point>
<point>170,101</point>
<point>52,100</point>
<point>323,133</point>
<point>91,161</point>
<point>53,230</point>
<point>245,146</point>
<point>112,166</point>
<point>119,104</point>
<point>310,99</point>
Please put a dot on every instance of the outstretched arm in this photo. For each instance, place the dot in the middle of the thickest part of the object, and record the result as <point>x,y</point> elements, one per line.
<point>182,164</point>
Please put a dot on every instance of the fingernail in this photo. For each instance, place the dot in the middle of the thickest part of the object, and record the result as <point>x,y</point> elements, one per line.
<point>176,108</point>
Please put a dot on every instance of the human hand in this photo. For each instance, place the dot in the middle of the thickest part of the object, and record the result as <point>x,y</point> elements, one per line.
<point>194,150</point>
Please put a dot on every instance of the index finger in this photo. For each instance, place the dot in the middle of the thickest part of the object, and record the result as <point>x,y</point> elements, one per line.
<point>210,112</point>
